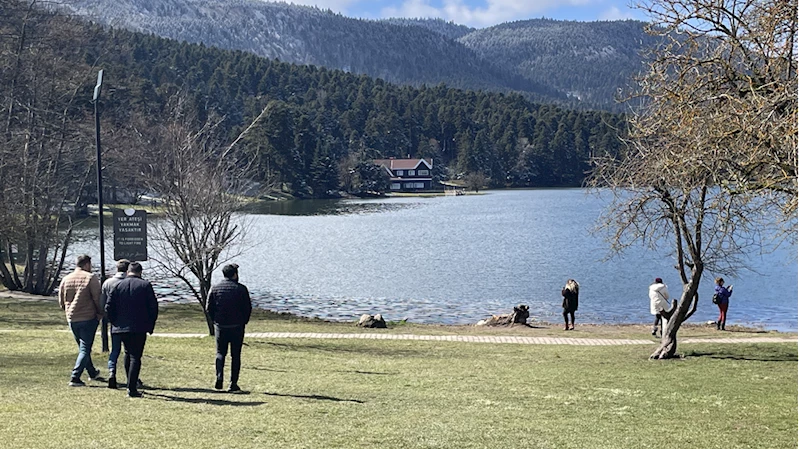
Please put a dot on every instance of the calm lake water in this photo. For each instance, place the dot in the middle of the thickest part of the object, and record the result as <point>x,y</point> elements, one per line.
<point>459,259</point>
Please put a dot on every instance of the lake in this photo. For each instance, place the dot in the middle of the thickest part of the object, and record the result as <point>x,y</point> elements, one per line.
<point>457,260</point>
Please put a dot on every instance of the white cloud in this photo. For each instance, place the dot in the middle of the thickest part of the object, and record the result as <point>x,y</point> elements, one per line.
<point>614,13</point>
<point>490,13</point>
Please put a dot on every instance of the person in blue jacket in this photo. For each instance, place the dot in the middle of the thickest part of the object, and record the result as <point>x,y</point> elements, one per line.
<point>722,294</point>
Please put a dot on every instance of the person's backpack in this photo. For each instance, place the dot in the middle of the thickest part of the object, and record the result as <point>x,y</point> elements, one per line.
<point>716,298</point>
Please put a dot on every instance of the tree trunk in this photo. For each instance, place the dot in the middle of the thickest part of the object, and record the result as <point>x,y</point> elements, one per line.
<point>685,308</point>
<point>205,288</point>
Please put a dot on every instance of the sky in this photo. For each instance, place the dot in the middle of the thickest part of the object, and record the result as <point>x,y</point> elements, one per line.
<point>481,13</point>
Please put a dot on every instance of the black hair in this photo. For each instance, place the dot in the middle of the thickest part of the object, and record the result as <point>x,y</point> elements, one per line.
<point>122,265</point>
<point>84,259</point>
<point>230,270</point>
<point>134,267</point>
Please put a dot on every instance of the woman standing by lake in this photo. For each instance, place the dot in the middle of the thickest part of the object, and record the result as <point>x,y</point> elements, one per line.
<point>570,293</point>
<point>723,295</point>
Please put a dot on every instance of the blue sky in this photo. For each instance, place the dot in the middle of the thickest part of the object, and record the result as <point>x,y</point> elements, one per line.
<point>482,13</point>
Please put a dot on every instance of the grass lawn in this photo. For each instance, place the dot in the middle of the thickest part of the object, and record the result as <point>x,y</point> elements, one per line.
<point>393,394</point>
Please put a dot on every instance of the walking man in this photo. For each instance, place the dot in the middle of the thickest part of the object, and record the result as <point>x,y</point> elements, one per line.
<point>132,310</point>
<point>229,308</point>
<point>79,297</point>
<point>116,341</point>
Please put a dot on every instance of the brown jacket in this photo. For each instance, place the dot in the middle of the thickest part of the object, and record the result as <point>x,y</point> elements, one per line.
<point>79,296</point>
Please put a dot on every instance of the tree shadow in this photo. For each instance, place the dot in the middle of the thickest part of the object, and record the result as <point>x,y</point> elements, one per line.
<point>315,397</point>
<point>375,373</point>
<point>763,355</point>
<point>338,347</point>
<point>205,400</point>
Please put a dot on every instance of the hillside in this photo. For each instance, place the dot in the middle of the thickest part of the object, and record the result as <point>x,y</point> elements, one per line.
<point>587,60</point>
<point>575,64</point>
<point>396,53</point>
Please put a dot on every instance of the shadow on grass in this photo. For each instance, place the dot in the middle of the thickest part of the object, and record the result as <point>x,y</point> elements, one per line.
<point>188,390</point>
<point>20,322</point>
<point>376,373</point>
<point>336,346</point>
<point>204,400</point>
<point>315,397</point>
<point>258,368</point>
<point>761,354</point>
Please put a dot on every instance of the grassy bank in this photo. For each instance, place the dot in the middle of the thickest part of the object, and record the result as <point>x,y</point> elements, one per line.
<point>394,394</point>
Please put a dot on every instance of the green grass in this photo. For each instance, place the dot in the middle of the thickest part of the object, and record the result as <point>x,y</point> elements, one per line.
<point>307,393</point>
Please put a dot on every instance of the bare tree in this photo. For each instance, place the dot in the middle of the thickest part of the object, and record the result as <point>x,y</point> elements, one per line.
<point>202,187</point>
<point>198,223</point>
<point>711,163</point>
<point>723,87</point>
<point>43,148</point>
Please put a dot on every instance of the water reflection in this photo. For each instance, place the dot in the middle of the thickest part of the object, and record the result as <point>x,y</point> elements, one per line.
<point>328,207</point>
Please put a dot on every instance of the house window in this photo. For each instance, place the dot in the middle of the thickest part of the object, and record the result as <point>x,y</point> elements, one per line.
<point>419,185</point>
<point>409,185</point>
<point>400,172</point>
<point>395,186</point>
<point>411,172</point>
<point>424,172</point>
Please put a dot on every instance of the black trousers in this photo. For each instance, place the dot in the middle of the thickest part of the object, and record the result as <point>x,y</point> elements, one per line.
<point>134,349</point>
<point>234,337</point>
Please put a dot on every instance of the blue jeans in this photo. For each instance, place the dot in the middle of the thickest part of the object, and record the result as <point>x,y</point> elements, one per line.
<point>113,356</point>
<point>84,336</point>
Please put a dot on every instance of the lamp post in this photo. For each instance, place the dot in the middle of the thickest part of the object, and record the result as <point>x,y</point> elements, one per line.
<point>96,100</point>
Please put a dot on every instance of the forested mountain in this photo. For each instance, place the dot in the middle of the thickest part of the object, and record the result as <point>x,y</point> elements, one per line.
<point>322,127</point>
<point>450,30</point>
<point>542,59</point>
<point>588,60</point>
<point>412,55</point>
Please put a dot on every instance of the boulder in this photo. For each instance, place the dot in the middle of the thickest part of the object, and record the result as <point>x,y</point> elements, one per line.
<point>372,321</point>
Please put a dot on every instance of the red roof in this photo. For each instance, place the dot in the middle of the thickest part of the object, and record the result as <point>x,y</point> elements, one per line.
<point>404,164</point>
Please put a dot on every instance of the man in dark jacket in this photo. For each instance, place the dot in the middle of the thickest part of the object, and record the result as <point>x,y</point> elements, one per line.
<point>229,307</point>
<point>132,310</point>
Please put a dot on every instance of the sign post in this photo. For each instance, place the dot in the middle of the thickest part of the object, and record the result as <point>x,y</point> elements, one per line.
<point>96,100</point>
<point>130,234</point>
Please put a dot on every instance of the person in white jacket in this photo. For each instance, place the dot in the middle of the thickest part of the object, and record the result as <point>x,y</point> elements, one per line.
<point>659,304</point>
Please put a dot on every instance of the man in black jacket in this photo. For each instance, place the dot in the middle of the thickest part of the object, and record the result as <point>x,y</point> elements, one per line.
<point>132,310</point>
<point>229,307</point>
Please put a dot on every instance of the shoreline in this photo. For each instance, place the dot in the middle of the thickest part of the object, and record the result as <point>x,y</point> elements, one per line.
<point>585,328</point>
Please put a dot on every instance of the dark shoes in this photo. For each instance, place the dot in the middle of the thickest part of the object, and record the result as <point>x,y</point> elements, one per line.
<point>233,388</point>
<point>112,382</point>
<point>76,382</point>
<point>134,394</point>
<point>139,384</point>
<point>218,384</point>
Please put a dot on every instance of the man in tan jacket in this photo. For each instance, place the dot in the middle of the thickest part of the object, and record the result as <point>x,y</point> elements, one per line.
<point>79,297</point>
